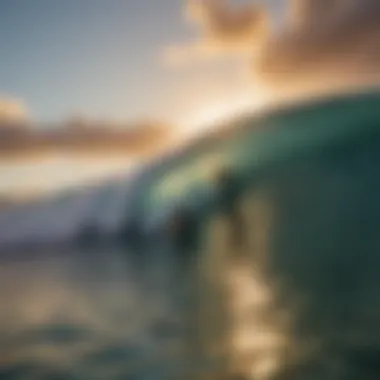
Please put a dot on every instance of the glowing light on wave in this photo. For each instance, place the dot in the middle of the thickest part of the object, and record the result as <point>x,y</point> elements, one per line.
<point>211,115</point>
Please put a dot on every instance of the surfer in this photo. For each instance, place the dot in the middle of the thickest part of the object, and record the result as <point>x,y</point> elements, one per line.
<point>183,228</point>
<point>183,225</point>
<point>228,192</point>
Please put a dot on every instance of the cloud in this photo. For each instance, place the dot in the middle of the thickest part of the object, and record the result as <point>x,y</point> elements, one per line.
<point>89,140</point>
<point>223,30</point>
<point>335,41</point>
<point>12,111</point>
<point>320,43</point>
<point>22,138</point>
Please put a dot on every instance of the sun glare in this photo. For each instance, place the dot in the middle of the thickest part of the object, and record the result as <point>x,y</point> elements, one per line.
<point>210,116</point>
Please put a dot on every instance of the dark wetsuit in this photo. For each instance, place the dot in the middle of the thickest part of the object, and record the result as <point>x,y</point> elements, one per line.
<point>185,225</point>
<point>184,229</point>
<point>228,193</point>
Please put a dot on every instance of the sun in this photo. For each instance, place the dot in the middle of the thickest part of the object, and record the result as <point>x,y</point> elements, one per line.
<point>211,115</point>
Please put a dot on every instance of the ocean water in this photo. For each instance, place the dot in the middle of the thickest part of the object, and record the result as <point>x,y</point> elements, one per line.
<point>96,313</point>
<point>107,311</point>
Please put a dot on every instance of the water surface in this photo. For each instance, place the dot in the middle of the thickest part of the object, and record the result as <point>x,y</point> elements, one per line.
<point>95,313</point>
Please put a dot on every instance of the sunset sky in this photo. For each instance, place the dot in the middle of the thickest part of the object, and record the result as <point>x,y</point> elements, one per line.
<point>133,60</point>
<point>103,59</point>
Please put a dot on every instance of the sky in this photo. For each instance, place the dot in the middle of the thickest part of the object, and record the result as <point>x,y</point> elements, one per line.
<point>89,56</point>
<point>103,59</point>
<point>180,62</point>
